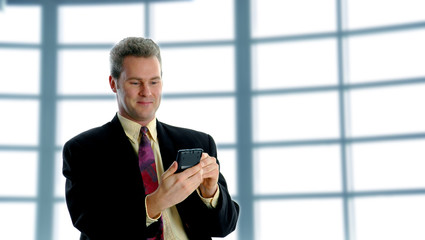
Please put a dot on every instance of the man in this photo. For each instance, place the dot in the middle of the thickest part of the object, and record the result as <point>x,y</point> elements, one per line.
<point>108,192</point>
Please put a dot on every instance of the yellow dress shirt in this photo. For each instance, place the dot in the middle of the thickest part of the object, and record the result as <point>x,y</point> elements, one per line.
<point>173,227</point>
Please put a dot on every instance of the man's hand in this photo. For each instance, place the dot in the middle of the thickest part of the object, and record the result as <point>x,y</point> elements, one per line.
<point>210,175</point>
<point>173,188</point>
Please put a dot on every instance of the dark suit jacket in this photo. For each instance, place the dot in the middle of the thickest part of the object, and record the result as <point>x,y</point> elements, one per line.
<point>104,187</point>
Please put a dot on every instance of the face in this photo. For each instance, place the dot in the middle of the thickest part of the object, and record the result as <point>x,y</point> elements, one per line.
<point>138,88</point>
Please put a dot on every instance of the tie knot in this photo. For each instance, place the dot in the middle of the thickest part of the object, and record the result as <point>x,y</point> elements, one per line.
<point>144,130</point>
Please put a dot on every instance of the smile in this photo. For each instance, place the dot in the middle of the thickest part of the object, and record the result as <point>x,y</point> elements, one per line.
<point>144,102</point>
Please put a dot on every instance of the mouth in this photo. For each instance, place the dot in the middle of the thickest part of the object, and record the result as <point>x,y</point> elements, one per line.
<point>144,103</point>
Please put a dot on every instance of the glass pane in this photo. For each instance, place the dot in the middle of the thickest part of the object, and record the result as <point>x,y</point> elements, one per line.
<point>20,24</point>
<point>299,170</point>
<point>59,178</point>
<point>389,165</point>
<point>12,62</point>
<point>18,174</point>
<point>391,110</point>
<point>62,224</point>
<point>366,13</point>
<point>271,18</point>
<point>228,168</point>
<point>83,72</point>
<point>192,20</point>
<point>299,219</point>
<point>386,56</point>
<point>295,117</point>
<point>20,127</point>
<point>77,116</point>
<point>203,70</point>
<point>390,218</point>
<point>17,221</point>
<point>215,116</point>
<point>295,64</point>
<point>100,23</point>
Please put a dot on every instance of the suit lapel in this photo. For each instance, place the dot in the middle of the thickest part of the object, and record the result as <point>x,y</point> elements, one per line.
<point>122,144</point>
<point>167,148</point>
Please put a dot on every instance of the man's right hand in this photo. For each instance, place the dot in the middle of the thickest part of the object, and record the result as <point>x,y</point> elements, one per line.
<point>173,188</point>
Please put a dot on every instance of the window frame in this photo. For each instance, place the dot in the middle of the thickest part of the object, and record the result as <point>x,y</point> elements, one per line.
<point>243,42</point>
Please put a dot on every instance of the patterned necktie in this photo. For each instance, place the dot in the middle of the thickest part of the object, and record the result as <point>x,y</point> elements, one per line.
<point>148,171</point>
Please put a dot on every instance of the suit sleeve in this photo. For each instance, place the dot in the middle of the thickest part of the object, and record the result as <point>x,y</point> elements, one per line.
<point>80,204</point>
<point>227,210</point>
<point>199,219</point>
<point>95,199</point>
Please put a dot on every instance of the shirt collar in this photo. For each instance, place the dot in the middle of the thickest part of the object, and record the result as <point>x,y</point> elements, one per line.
<point>132,129</point>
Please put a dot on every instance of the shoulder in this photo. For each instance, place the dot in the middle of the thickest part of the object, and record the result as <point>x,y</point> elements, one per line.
<point>172,138</point>
<point>183,137</point>
<point>97,135</point>
<point>179,131</point>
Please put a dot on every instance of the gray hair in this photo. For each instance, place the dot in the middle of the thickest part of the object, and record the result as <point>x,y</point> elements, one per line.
<point>132,46</point>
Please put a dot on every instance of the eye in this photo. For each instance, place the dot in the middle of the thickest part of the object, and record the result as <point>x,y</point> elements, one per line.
<point>155,81</point>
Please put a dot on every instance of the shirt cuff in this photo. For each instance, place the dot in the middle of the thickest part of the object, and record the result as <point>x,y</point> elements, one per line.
<point>210,202</point>
<point>149,220</point>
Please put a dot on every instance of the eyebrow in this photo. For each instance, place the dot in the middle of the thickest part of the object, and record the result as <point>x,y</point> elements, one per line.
<point>140,79</point>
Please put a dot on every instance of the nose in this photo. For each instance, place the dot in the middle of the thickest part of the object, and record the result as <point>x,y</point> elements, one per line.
<point>144,90</point>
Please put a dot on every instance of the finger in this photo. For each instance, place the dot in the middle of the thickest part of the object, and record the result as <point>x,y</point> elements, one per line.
<point>204,155</point>
<point>170,171</point>
<point>191,171</point>
<point>196,179</point>
<point>210,168</point>
<point>209,161</point>
<point>211,172</point>
<point>189,180</point>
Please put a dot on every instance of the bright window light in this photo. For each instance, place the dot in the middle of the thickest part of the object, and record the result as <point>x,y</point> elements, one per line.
<point>73,116</point>
<point>228,166</point>
<point>390,218</point>
<point>386,56</point>
<point>100,23</point>
<point>192,20</point>
<point>62,225</point>
<point>20,70</point>
<point>384,111</point>
<point>22,128</point>
<point>17,220</point>
<point>198,69</point>
<point>190,113</point>
<point>25,27</point>
<point>295,64</point>
<point>388,165</point>
<point>83,72</point>
<point>293,170</point>
<point>295,117</point>
<point>59,178</point>
<point>274,18</point>
<point>299,219</point>
<point>366,13</point>
<point>18,173</point>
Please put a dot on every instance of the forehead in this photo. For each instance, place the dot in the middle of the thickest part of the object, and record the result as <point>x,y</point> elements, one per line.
<point>141,66</point>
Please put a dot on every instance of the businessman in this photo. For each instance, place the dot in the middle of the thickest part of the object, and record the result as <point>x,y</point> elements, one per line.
<point>121,179</point>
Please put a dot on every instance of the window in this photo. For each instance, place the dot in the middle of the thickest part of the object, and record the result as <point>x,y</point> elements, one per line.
<point>19,125</point>
<point>316,107</point>
<point>338,133</point>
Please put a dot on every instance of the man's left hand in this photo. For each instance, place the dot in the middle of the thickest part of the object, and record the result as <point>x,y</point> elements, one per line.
<point>210,175</point>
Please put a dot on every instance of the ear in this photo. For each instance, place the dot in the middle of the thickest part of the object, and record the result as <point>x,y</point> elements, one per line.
<point>113,84</point>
